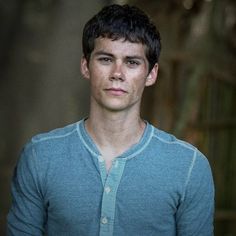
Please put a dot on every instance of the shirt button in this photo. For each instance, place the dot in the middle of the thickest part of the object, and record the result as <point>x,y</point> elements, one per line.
<point>107,189</point>
<point>104,220</point>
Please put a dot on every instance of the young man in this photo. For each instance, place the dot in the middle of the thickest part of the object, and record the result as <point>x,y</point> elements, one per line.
<point>113,173</point>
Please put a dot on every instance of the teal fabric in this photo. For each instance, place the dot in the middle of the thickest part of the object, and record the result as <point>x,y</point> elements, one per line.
<point>160,186</point>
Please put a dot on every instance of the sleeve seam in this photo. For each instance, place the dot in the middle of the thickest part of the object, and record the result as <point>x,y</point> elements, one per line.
<point>189,174</point>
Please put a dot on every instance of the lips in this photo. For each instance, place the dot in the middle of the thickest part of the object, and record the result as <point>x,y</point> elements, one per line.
<point>115,91</point>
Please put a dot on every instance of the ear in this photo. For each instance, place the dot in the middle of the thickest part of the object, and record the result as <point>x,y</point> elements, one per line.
<point>152,76</point>
<point>84,68</point>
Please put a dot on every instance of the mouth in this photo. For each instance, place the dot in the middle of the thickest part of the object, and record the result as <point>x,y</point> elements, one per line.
<point>116,91</point>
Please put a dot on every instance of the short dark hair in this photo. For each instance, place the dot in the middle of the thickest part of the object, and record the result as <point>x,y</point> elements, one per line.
<point>123,21</point>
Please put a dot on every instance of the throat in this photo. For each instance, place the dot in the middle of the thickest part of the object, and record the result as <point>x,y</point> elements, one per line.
<point>112,140</point>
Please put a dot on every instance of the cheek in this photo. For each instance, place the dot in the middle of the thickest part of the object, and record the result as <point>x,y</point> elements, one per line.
<point>99,74</point>
<point>97,81</point>
<point>138,74</point>
<point>138,80</point>
<point>139,85</point>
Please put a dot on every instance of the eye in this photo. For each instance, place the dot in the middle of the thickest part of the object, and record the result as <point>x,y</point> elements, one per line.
<point>133,63</point>
<point>105,60</point>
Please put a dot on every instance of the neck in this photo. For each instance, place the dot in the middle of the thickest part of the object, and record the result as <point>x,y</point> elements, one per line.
<point>114,132</point>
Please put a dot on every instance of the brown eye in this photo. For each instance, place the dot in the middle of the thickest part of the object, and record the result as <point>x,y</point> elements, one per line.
<point>133,63</point>
<point>105,60</point>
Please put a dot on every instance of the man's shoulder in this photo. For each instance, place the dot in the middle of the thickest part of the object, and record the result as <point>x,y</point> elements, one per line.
<point>174,149</point>
<point>53,143</point>
<point>171,143</point>
<point>54,140</point>
<point>171,139</point>
<point>56,134</point>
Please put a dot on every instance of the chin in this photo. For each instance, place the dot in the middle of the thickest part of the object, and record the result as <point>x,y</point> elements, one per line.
<point>114,104</point>
<point>115,107</point>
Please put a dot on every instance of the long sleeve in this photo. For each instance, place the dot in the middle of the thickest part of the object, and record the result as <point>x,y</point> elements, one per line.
<point>196,210</point>
<point>27,214</point>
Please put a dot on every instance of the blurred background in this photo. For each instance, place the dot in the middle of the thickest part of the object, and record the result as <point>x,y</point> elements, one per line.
<point>41,87</point>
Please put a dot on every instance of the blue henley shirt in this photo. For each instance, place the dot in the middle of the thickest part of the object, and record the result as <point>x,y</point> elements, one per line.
<point>160,186</point>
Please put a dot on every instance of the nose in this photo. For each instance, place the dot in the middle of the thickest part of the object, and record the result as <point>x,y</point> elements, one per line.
<point>117,72</point>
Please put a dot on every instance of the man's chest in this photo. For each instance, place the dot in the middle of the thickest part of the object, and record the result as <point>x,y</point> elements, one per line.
<point>141,197</point>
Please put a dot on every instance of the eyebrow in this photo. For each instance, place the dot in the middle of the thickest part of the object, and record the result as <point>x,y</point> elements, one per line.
<point>135,57</point>
<point>98,53</point>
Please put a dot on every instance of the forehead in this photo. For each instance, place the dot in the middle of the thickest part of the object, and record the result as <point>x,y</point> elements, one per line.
<point>119,47</point>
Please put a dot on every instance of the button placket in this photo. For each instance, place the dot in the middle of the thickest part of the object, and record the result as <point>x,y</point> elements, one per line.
<point>102,168</point>
<point>109,199</point>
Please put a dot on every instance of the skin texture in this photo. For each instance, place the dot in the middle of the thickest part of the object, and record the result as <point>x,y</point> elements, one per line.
<point>118,73</point>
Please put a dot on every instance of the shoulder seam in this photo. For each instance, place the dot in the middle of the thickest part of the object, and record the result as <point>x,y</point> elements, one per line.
<point>53,137</point>
<point>189,173</point>
<point>182,143</point>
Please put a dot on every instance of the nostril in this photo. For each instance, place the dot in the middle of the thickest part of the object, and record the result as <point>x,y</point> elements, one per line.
<point>116,78</point>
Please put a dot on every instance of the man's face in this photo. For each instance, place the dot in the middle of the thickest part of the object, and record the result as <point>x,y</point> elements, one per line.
<point>118,73</point>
